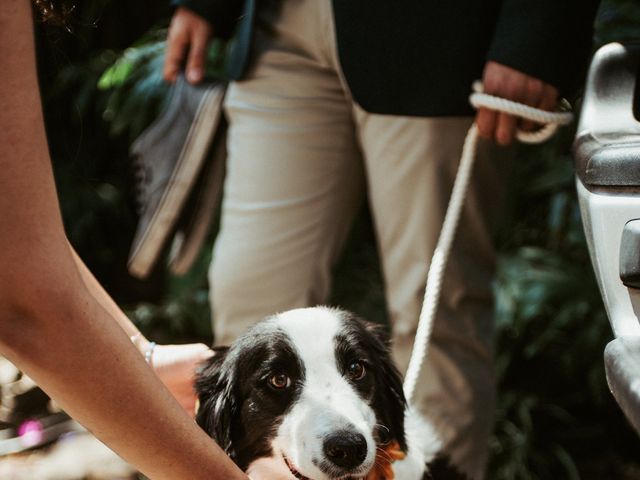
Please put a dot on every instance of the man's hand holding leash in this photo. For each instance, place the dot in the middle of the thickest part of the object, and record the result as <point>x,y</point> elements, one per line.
<point>506,82</point>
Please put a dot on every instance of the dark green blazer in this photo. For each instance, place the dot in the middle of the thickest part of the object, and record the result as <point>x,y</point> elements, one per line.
<point>420,57</point>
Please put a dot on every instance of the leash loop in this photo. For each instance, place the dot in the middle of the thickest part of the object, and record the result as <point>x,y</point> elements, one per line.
<point>550,120</point>
<point>478,99</point>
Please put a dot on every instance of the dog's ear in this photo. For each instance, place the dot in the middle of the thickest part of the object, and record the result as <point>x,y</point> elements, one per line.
<point>389,399</point>
<point>218,403</point>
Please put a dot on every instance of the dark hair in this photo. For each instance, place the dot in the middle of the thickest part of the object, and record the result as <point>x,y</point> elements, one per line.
<point>53,12</point>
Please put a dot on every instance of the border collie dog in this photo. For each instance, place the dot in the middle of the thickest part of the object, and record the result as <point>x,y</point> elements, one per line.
<point>317,386</point>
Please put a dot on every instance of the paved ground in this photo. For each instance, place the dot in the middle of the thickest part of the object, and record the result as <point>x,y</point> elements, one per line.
<point>77,456</point>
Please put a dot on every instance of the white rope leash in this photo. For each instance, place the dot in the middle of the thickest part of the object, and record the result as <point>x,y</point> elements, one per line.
<point>551,120</point>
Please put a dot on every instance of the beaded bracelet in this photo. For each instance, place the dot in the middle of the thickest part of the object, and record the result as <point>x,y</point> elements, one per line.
<point>148,355</point>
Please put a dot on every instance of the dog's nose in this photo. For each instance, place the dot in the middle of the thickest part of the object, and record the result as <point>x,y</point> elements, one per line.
<point>345,449</point>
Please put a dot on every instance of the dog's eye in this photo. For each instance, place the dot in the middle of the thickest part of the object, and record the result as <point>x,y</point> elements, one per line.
<point>356,370</point>
<point>280,381</point>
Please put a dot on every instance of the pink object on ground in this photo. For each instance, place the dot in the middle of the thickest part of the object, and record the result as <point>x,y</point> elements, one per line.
<point>31,432</point>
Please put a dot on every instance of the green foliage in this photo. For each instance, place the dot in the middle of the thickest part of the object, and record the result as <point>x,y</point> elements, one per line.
<point>183,312</point>
<point>136,90</point>
<point>551,330</point>
<point>618,22</point>
<point>134,87</point>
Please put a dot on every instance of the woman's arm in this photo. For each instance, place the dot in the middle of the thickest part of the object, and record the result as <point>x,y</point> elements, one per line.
<point>103,298</point>
<point>175,365</point>
<point>51,325</point>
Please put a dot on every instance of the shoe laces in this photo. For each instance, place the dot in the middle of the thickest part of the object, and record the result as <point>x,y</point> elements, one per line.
<point>142,176</point>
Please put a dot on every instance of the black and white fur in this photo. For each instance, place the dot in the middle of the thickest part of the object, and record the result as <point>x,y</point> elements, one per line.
<point>316,386</point>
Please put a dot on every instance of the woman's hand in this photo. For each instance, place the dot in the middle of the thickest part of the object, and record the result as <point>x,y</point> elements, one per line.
<point>176,366</point>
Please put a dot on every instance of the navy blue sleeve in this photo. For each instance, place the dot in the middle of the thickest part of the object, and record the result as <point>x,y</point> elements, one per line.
<point>547,39</point>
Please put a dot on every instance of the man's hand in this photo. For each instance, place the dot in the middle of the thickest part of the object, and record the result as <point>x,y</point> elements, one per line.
<point>187,32</point>
<point>176,366</point>
<point>505,82</point>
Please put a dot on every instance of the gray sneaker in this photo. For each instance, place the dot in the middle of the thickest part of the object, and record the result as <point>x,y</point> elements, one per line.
<point>201,209</point>
<point>168,157</point>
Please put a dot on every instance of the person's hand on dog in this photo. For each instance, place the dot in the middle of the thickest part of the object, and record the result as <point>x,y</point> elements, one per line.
<point>273,468</point>
<point>506,82</point>
<point>176,366</point>
<point>188,32</point>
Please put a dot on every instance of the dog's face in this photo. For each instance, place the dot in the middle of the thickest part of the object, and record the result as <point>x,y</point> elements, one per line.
<point>316,386</point>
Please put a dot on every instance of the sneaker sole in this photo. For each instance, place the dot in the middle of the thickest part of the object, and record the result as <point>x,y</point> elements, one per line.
<point>182,180</point>
<point>188,242</point>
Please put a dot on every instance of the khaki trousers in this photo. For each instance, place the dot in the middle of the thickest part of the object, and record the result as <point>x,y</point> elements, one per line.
<point>301,154</point>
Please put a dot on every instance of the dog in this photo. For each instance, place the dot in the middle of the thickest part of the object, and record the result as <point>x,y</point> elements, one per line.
<point>317,386</point>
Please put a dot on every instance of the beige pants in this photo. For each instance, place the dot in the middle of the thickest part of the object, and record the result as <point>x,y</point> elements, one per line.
<point>300,156</point>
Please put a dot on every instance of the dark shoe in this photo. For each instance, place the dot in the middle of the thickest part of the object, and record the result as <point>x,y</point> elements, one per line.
<point>28,418</point>
<point>201,208</point>
<point>168,156</point>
